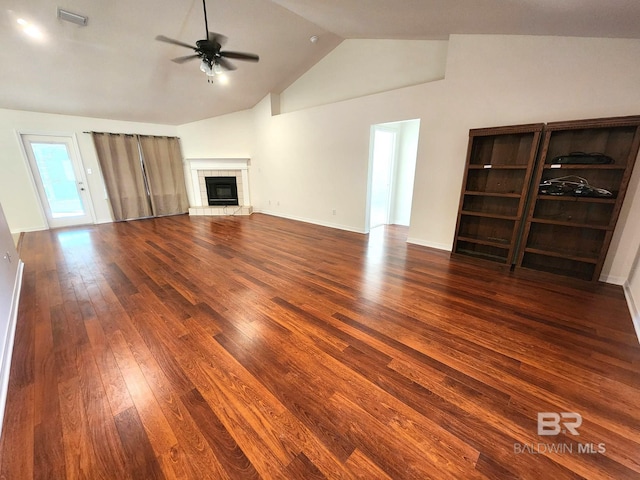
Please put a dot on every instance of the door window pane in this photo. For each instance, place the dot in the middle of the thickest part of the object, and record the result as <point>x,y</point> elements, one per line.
<point>59,181</point>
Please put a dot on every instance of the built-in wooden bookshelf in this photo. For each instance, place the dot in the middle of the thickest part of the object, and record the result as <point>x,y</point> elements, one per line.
<point>498,172</point>
<point>570,234</point>
<point>506,217</point>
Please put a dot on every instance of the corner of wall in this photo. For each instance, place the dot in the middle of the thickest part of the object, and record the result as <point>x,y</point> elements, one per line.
<point>633,309</point>
<point>275,104</point>
<point>7,349</point>
<point>612,279</point>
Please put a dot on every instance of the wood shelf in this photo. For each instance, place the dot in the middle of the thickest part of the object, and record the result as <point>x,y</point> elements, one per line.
<point>497,167</point>
<point>488,215</point>
<point>561,254</point>
<point>558,266</point>
<point>582,166</point>
<point>569,198</point>
<point>560,234</point>
<point>569,235</point>
<point>490,242</point>
<point>568,224</point>
<point>498,172</point>
<point>481,255</point>
<point>492,194</point>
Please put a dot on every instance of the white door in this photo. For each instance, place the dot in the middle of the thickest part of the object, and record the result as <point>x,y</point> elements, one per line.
<point>57,172</point>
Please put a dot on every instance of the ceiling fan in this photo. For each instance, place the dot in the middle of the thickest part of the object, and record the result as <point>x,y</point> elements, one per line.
<point>214,60</point>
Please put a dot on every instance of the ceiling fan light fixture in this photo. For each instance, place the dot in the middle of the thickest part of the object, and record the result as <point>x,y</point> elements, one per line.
<point>205,67</point>
<point>214,61</point>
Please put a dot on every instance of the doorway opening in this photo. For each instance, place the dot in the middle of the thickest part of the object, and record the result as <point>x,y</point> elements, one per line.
<point>59,179</point>
<point>392,166</point>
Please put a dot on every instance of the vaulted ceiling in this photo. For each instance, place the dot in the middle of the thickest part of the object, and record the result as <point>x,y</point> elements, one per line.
<point>113,68</point>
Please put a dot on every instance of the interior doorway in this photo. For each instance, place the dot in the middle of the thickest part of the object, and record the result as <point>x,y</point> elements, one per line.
<point>59,178</point>
<point>392,166</point>
<point>384,156</point>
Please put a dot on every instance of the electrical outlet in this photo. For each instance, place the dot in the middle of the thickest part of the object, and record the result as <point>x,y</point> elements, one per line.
<point>333,211</point>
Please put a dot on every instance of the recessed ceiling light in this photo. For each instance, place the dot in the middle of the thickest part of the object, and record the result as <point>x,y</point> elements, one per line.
<point>314,39</point>
<point>30,29</point>
<point>72,17</point>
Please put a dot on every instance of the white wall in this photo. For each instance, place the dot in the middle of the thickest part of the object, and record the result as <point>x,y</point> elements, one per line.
<point>626,238</point>
<point>360,67</point>
<point>17,191</point>
<point>404,174</point>
<point>314,161</point>
<point>632,292</point>
<point>229,136</point>
<point>10,282</point>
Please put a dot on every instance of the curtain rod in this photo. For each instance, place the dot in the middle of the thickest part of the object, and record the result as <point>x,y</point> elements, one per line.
<point>132,134</point>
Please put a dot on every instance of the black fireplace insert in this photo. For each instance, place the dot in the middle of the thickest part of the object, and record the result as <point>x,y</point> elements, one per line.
<point>222,190</point>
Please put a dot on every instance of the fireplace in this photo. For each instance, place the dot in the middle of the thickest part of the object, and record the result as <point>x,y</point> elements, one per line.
<point>201,200</point>
<point>221,191</point>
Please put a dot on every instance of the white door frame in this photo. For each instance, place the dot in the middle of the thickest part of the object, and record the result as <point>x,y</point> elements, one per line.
<point>79,171</point>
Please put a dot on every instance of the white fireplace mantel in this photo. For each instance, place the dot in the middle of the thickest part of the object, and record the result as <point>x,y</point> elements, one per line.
<point>218,163</point>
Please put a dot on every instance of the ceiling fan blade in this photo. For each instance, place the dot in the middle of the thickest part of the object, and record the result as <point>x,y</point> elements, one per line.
<point>249,57</point>
<point>217,37</point>
<point>162,38</point>
<point>226,64</point>
<point>186,58</point>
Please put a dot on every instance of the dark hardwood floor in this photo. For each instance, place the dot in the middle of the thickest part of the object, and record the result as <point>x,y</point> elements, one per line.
<point>258,347</point>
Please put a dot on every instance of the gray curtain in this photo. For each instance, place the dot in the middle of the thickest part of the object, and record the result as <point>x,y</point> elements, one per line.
<point>119,157</point>
<point>162,161</point>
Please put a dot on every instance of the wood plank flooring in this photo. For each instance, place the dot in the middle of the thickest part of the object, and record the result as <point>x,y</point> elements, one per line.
<point>259,347</point>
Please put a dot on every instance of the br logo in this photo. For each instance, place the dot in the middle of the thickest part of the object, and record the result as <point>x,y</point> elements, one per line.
<point>552,423</point>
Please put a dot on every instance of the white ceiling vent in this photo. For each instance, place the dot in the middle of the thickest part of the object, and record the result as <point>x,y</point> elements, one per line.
<point>72,17</point>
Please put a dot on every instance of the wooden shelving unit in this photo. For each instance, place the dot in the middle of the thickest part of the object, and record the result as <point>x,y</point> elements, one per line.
<point>498,172</point>
<point>570,235</point>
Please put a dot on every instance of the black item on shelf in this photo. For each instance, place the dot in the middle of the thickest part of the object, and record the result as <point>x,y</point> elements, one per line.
<point>582,158</point>
<point>573,186</point>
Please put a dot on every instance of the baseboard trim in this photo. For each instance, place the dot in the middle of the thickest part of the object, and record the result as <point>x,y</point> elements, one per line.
<point>7,348</point>
<point>423,243</point>
<point>612,280</point>
<point>633,309</point>
<point>27,230</point>
<point>313,222</point>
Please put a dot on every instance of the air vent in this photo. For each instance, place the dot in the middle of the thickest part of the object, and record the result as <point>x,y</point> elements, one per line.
<point>72,17</point>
